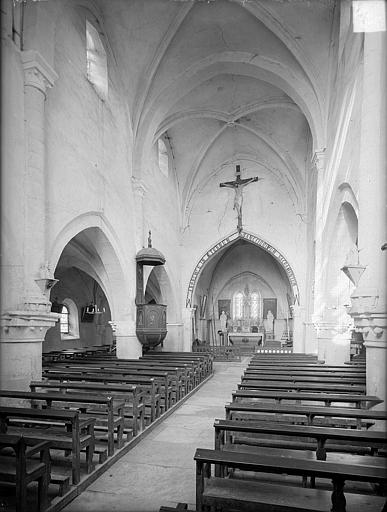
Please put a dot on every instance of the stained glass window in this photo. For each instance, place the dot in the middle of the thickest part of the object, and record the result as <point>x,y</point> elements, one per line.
<point>64,320</point>
<point>238,305</point>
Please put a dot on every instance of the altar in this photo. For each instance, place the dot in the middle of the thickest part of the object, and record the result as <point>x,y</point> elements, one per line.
<point>246,341</point>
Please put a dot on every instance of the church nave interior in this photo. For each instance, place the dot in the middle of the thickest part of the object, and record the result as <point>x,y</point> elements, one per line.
<point>188,186</point>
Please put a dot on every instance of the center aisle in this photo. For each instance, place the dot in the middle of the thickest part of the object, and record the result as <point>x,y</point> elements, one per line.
<point>160,470</point>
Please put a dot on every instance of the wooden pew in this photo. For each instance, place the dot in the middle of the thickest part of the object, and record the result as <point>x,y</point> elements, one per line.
<point>75,434</point>
<point>189,372</point>
<point>339,375</point>
<point>109,414</point>
<point>133,397</point>
<point>179,507</point>
<point>206,357</point>
<point>21,469</point>
<point>212,491</point>
<point>359,401</point>
<point>180,373</point>
<point>251,376</point>
<point>163,377</point>
<point>175,374</point>
<point>195,368</point>
<point>316,368</point>
<point>287,436</point>
<point>303,364</point>
<point>190,369</point>
<point>199,365</point>
<point>149,385</point>
<point>302,386</point>
<point>279,412</point>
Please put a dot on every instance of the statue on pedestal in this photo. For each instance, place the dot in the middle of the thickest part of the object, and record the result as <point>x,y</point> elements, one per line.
<point>269,322</point>
<point>223,322</point>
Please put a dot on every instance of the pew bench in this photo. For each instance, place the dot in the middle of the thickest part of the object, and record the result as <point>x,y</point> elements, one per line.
<point>316,369</point>
<point>177,373</point>
<point>240,494</point>
<point>359,401</point>
<point>66,430</point>
<point>300,375</point>
<point>162,377</point>
<point>302,386</point>
<point>21,469</point>
<point>134,408</point>
<point>188,373</point>
<point>179,507</point>
<point>338,416</point>
<point>299,437</point>
<point>197,366</point>
<point>108,413</point>
<point>289,377</point>
<point>148,385</point>
<point>207,358</point>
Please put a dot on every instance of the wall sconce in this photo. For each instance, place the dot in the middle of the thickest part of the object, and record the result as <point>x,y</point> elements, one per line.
<point>353,272</point>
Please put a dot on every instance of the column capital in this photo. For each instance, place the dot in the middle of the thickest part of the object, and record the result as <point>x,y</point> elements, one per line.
<point>139,187</point>
<point>37,72</point>
<point>318,160</point>
<point>26,326</point>
<point>369,312</point>
<point>330,329</point>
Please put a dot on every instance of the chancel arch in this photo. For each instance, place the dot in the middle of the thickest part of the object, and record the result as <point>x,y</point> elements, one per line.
<point>246,279</point>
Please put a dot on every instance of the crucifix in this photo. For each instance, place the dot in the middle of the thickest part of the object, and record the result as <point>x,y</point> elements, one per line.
<point>238,185</point>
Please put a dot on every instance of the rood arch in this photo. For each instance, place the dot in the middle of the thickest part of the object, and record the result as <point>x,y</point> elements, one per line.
<point>228,241</point>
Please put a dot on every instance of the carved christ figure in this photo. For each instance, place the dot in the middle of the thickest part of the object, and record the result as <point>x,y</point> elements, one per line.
<point>238,186</point>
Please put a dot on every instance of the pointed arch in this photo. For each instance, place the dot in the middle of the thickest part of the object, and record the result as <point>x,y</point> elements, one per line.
<point>229,240</point>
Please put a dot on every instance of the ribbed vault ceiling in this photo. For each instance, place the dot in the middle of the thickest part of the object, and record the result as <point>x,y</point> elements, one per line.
<point>226,81</point>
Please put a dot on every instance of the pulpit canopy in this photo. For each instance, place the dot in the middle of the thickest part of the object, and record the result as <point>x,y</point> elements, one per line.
<point>149,255</point>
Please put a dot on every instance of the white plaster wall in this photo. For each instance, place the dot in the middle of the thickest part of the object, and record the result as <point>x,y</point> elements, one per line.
<point>267,212</point>
<point>341,171</point>
<point>12,183</point>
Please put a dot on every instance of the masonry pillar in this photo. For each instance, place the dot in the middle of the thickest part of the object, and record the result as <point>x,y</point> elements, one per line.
<point>174,339</point>
<point>127,344</point>
<point>27,317</point>
<point>188,315</point>
<point>298,329</point>
<point>334,342</point>
<point>369,309</point>
<point>139,190</point>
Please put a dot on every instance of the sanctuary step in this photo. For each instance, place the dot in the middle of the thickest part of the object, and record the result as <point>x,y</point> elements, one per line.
<point>270,344</point>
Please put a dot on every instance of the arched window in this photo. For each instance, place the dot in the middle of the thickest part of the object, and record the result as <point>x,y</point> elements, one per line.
<point>237,303</point>
<point>96,61</point>
<point>69,321</point>
<point>163,157</point>
<point>64,320</point>
<point>255,309</point>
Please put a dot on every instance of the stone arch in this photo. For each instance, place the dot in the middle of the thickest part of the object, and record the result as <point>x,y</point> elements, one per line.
<point>255,240</point>
<point>95,251</point>
<point>241,63</point>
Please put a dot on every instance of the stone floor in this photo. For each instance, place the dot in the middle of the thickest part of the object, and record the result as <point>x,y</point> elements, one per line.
<point>160,470</point>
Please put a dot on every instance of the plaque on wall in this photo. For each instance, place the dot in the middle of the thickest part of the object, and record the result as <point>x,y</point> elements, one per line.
<point>269,304</point>
<point>224,305</point>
